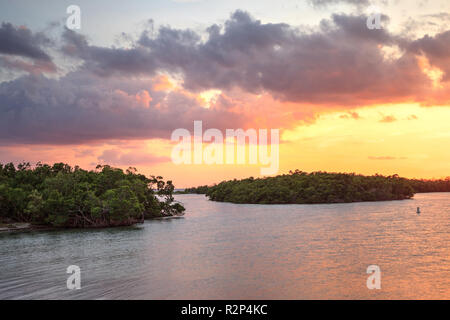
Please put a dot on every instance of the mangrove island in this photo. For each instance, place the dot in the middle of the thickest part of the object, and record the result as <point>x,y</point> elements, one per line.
<point>62,196</point>
<point>300,187</point>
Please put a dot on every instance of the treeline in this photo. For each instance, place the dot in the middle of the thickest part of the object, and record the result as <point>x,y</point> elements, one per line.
<point>194,190</point>
<point>63,196</point>
<point>299,187</point>
<point>423,186</point>
<point>318,187</point>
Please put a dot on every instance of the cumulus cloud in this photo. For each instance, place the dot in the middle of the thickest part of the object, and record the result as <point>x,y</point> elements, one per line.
<point>268,74</point>
<point>109,61</point>
<point>79,108</point>
<point>436,49</point>
<point>342,63</point>
<point>22,42</point>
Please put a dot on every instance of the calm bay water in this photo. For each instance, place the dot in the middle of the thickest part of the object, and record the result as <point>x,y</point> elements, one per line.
<point>228,251</point>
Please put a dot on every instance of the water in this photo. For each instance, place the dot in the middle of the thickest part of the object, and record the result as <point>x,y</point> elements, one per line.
<point>228,251</point>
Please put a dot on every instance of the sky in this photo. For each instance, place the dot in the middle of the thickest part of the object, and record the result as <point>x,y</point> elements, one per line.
<point>345,98</point>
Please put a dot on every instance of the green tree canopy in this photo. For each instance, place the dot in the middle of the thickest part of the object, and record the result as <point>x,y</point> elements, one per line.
<point>63,196</point>
<point>300,187</point>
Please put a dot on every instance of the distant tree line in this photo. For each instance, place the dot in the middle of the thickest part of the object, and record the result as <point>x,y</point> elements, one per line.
<point>63,196</point>
<point>194,190</point>
<point>299,187</point>
<point>423,186</point>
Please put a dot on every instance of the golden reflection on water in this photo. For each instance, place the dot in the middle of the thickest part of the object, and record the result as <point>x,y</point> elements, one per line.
<point>228,251</point>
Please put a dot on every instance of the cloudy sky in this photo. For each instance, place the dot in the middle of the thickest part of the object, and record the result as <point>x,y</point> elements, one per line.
<point>345,98</point>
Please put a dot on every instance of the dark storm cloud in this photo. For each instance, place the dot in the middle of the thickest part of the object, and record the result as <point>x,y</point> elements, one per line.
<point>108,61</point>
<point>341,63</point>
<point>20,41</point>
<point>22,50</point>
<point>353,27</point>
<point>79,108</point>
<point>436,49</point>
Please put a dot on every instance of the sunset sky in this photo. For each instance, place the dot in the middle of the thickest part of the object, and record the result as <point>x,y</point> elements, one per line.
<point>345,98</point>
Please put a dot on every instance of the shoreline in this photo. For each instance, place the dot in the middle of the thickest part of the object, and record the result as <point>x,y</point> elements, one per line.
<point>19,227</point>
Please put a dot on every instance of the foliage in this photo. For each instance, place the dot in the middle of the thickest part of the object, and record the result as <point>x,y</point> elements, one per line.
<point>194,190</point>
<point>421,186</point>
<point>299,187</point>
<point>63,196</point>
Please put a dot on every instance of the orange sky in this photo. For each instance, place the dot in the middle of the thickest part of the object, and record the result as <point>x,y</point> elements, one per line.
<point>410,143</point>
